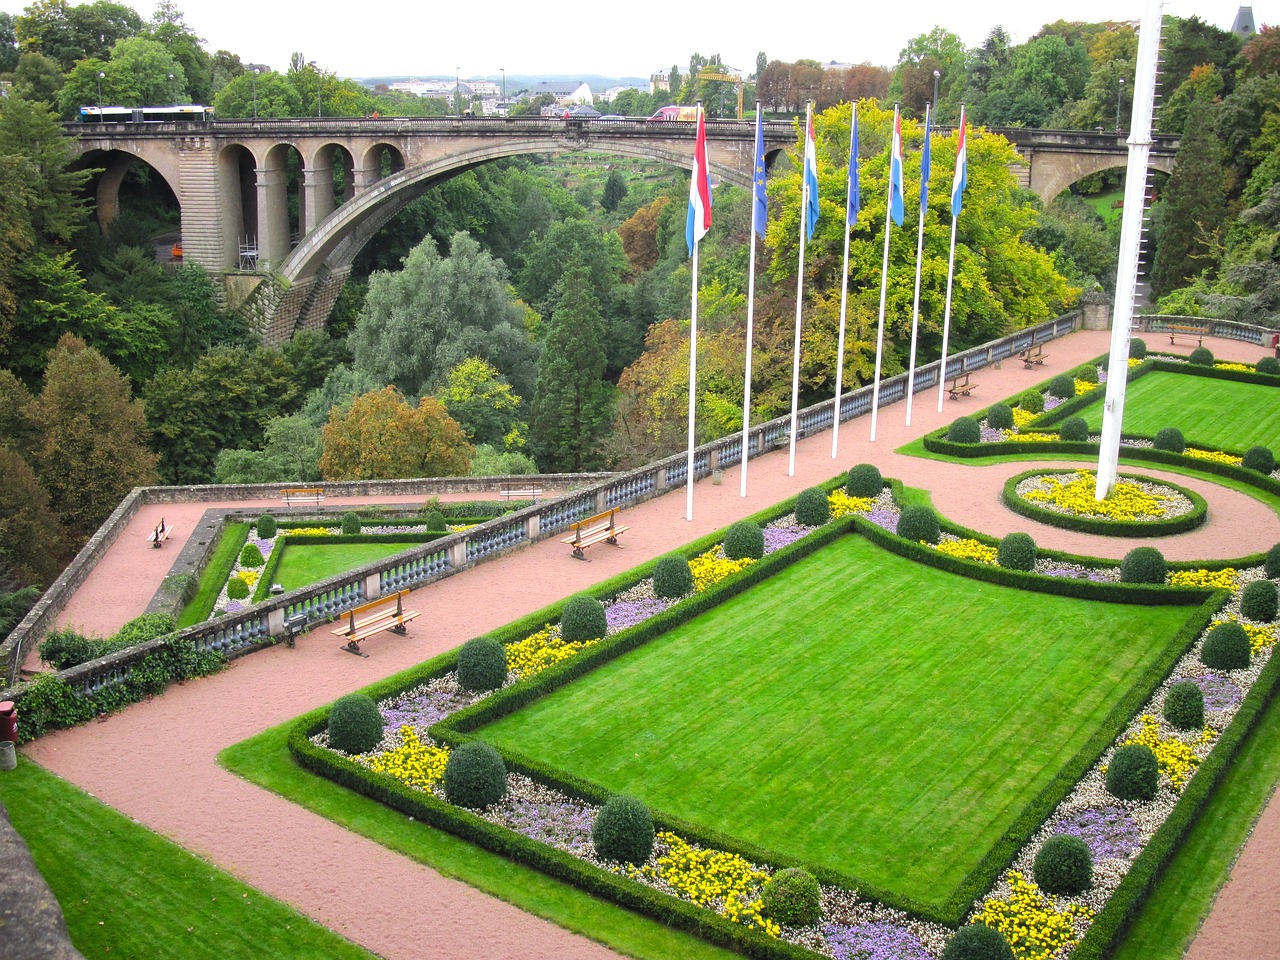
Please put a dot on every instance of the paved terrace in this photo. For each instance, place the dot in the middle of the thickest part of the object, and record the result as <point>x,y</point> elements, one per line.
<point>156,761</point>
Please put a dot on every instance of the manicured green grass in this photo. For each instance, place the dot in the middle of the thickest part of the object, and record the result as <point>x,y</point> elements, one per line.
<point>265,760</point>
<point>855,711</point>
<point>214,576</point>
<point>305,564</point>
<point>1210,413</point>
<point>1104,204</point>
<point>128,892</point>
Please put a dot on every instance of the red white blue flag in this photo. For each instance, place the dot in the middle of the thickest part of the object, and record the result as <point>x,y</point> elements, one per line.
<point>962,169</point>
<point>897,208</point>
<point>698,222</point>
<point>810,176</point>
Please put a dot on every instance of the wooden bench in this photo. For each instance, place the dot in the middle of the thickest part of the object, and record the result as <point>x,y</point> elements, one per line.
<point>602,528</point>
<point>159,535</point>
<point>1033,358</point>
<point>385,613</point>
<point>516,491</point>
<point>960,386</point>
<point>1175,330</point>
<point>294,495</point>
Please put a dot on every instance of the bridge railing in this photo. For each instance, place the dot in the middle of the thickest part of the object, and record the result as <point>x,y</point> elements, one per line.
<point>1227,329</point>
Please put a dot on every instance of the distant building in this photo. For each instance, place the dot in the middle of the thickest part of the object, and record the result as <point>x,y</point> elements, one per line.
<point>832,65</point>
<point>612,92</point>
<point>1244,26</point>
<point>660,81</point>
<point>566,93</point>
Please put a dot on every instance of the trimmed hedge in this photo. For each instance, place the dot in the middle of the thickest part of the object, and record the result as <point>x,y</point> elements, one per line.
<point>1000,417</point>
<point>1171,439</point>
<point>623,830</point>
<point>977,941</point>
<point>1260,459</point>
<point>1062,386</point>
<point>475,775</point>
<point>355,725</point>
<point>744,539</point>
<point>1063,865</point>
<point>965,430</point>
<point>583,619</point>
<point>1268,365</point>
<point>1133,773</point>
<point>1074,430</point>
<point>265,526</point>
<point>1271,565</point>
<point>864,480</point>
<point>813,509</point>
<point>1184,705</point>
<point>1191,520</point>
<point>482,664</point>
<point>1258,601</point>
<point>918,523</point>
<point>792,896</point>
<point>1226,647</point>
<point>350,523</point>
<point>1017,552</point>
<point>1143,565</point>
<point>672,577</point>
<point>1201,357</point>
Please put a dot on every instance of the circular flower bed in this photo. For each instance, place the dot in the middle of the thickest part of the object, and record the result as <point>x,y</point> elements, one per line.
<point>1138,507</point>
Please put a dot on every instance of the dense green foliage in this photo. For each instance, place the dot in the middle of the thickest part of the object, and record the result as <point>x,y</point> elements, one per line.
<point>482,664</point>
<point>977,941</point>
<point>1031,400</point>
<point>265,526</point>
<point>1062,386</point>
<point>1073,430</point>
<point>237,589</point>
<point>1143,565</point>
<point>812,507</point>
<point>1088,373</point>
<point>1138,348</point>
<point>1171,439</point>
<point>1259,458</point>
<point>918,524</point>
<point>1272,564</point>
<point>1133,773</point>
<point>583,619</point>
<point>1184,705</point>
<point>792,896</point>
<point>1063,865</point>
<point>964,430</point>
<point>351,522</point>
<point>672,577</point>
<point>1258,601</point>
<point>1269,365</point>
<point>436,522</point>
<point>623,830</point>
<point>744,540</point>
<point>1201,356</point>
<point>1017,551</point>
<point>355,725</point>
<point>999,417</point>
<point>1226,647</point>
<point>864,480</point>
<point>251,556</point>
<point>475,775</point>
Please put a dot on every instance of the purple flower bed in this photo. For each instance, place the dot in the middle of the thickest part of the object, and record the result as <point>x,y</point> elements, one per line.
<point>991,435</point>
<point>233,606</point>
<point>1075,574</point>
<point>873,941</point>
<point>1219,692</point>
<point>627,613</point>
<point>775,538</point>
<point>1109,832</point>
<point>1051,402</point>
<point>886,517</point>
<point>565,825</point>
<point>422,711</point>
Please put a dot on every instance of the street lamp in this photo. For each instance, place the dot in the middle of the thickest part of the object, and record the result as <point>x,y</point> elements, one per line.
<point>101,76</point>
<point>255,93</point>
<point>457,89</point>
<point>173,90</point>
<point>937,75</point>
<point>1119,97</point>
<point>504,83</point>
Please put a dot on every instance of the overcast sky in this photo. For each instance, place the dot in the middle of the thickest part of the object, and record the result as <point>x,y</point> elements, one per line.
<point>394,37</point>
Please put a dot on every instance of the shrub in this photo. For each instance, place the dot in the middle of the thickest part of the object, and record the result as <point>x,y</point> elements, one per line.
<point>350,523</point>
<point>1138,348</point>
<point>918,523</point>
<point>251,556</point>
<point>1064,865</point>
<point>1133,773</point>
<point>977,941</point>
<point>965,430</point>
<point>744,539</point>
<point>266,526</point>
<point>1171,439</point>
<point>1143,565</point>
<point>436,522</point>
<point>582,619</point>
<point>1271,566</point>
<point>623,830</point>
<point>1201,357</point>
<point>672,578</point>
<point>1000,417</point>
<point>1088,373</point>
<point>355,725</point>
<point>1074,430</point>
<point>1226,648</point>
<point>1184,705</point>
<point>1260,459</point>
<point>144,628</point>
<point>1032,400</point>
<point>1258,601</point>
<point>812,507</point>
<point>864,481</point>
<point>475,775</point>
<point>67,647</point>
<point>482,664</point>
<point>237,589</point>
<point>1268,365</point>
<point>1017,552</point>
<point>792,896</point>
<point>1062,386</point>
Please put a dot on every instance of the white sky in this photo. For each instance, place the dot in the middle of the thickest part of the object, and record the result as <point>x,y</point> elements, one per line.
<point>393,37</point>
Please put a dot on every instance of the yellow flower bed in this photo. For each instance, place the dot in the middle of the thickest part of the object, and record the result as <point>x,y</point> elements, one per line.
<point>1135,362</point>
<point>969,550</point>
<point>250,577</point>
<point>1260,638</point>
<point>1022,417</point>
<point>540,650</point>
<point>1127,501</point>
<point>1177,760</point>
<point>1032,437</point>
<point>1218,579</point>
<point>842,504</point>
<point>713,566</point>
<point>1217,456</point>
<point>413,762</point>
<point>714,879</point>
<point>1084,386</point>
<point>1032,923</point>
<point>308,532</point>
<point>1242,367</point>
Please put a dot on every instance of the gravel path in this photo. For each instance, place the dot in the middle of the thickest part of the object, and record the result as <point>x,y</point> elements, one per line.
<point>156,761</point>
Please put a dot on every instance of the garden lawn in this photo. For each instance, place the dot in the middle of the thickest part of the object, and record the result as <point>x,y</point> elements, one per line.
<point>1215,414</point>
<point>857,711</point>
<point>214,576</point>
<point>307,563</point>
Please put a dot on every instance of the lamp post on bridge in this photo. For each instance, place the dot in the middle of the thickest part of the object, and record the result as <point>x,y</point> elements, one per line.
<point>173,89</point>
<point>457,89</point>
<point>1119,97</point>
<point>255,93</point>
<point>937,75</point>
<point>504,83</point>
<point>101,76</point>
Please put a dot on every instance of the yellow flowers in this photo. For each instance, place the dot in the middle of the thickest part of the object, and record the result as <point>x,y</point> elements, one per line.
<point>1032,437</point>
<point>1127,501</point>
<point>1084,386</point>
<point>968,550</point>
<point>414,763</point>
<point>540,650</point>
<point>1032,923</point>
<point>308,532</point>
<point>713,566</point>
<point>1135,362</point>
<point>1260,638</point>
<point>1217,456</point>
<point>250,577</point>
<point>1177,759</point>
<point>1220,579</point>
<point>842,504</point>
<point>1022,417</point>
<point>1242,367</point>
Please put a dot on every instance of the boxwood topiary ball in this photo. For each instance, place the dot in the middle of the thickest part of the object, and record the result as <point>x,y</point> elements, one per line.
<point>1064,865</point>
<point>1201,357</point>
<point>251,556</point>
<point>350,523</point>
<point>1032,401</point>
<point>1062,386</point>
<point>918,523</point>
<point>1133,773</point>
<point>965,430</point>
<point>237,589</point>
<point>864,481</point>
<point>1268,365</point>
<point>582,619</point>
<point>623,830</point>
<point>812,507</point>
<point>1000,417</point>
<point>1260,459</point>
<point>744,539</point>
<point>1258,601</point>
<point>355,725</point>
<point>1171,439</point>
<point>977,942</point>
<point>1184,705</point>
<point>1226,647</point>
<point>1086,372</point>
<point>482,664</point>
<point>436,522</point>
<point>1074,430</point>
<point>672,578</point>
<point>1138,348</point>
<point>1271,566</point>
<point>266,526</point>
<point>474,775</point>
<point>792,896</point>
<point>1143,565</point>
<point>1017,552</point>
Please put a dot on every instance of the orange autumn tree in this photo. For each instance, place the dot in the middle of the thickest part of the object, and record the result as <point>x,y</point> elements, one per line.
<point>383,436</point>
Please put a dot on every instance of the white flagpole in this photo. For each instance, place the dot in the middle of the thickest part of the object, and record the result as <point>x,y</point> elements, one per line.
<point>946,317</point>
<point>751,309</point>
<point>884,286</point>
<point>693,382</point>
<point>795,362</point>
<point>844,293</point>
<point>915,303</point>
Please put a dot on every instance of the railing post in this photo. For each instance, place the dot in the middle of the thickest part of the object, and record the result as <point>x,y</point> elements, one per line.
<point>532,526</point>
<point>373,586</point>
<point>601,498</point>
<point>458,555</point>
<point>275,621</point>
<point>660,479</point>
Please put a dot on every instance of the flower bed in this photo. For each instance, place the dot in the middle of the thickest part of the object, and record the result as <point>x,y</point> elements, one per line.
<point>1137,507</point>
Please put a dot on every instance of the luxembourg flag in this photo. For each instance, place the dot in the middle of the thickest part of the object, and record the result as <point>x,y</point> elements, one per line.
<point>810,178</point>
<point>897,208</point>
<point>962,169</point>
<point>698,222</point>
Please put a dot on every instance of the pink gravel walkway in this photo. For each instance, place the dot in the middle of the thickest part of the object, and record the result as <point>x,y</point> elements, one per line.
<point>156,761</point>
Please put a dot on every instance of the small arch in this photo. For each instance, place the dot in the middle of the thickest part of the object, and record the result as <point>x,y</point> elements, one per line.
<point>329,182</point>
<point>238,186</point>
<point>123,177</point>
<point>281,204</point>
<point>379,161</point>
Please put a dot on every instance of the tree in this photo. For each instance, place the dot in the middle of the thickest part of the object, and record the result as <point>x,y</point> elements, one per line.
<point>291,453</point>
<point>58,208</point>
<point>1187,43</point>
<point>481,400</point>
<point>37,78</point>
<point>615,191</point>
<point>277,98</point>
<point>639,235</point>
<point>137,75</point>
<point>68,33</point>
<point>1261,55</point>
<point>382,437</point>
<point>16,239</point>
<point>8,44</point>
<point>168,27</point>
<point>93,437</point>
<point>572,403</point>
<point>32,544</point>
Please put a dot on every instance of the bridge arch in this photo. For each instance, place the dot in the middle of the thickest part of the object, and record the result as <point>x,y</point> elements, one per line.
<point>1055,172</point>
<point>116,165</point>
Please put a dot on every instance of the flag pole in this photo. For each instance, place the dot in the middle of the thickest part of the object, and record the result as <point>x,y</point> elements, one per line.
<point>915,303</point>
<point>696,224</point>
<point>805,200</point>
<point>851,212</point>
<point>693,385</point>
<point>957,194</point>
<point>895,161</point>
<point>759,213</point>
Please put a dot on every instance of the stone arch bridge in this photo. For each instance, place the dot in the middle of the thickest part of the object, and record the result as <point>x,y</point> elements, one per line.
<point>280,208</point>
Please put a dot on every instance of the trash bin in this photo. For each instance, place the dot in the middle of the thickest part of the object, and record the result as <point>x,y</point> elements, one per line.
<point>8,721</point>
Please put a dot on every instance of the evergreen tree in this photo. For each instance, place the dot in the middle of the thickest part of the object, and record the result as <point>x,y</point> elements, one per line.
<point>615,191</point>
<point>572,402</point>
<point>29,129</point>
